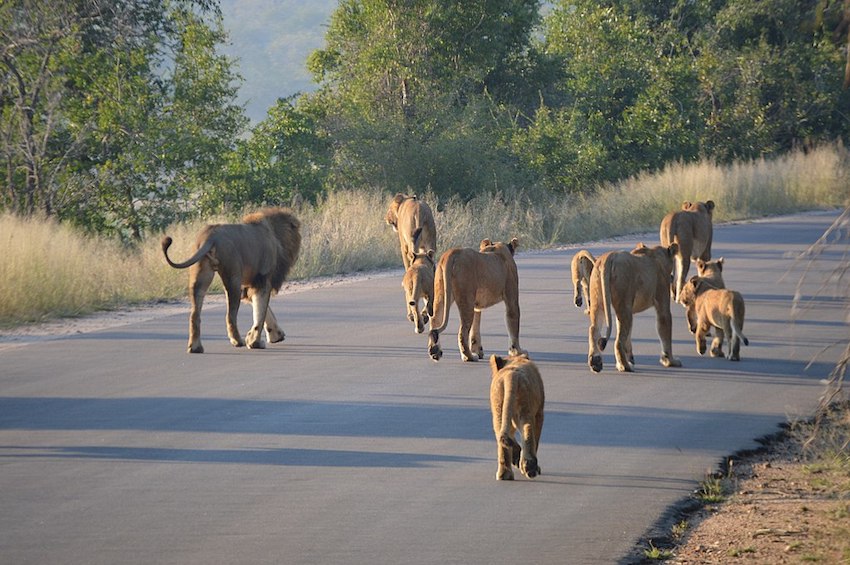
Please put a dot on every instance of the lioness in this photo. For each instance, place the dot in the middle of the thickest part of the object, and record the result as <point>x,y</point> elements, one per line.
<point>707,306</point>
<point>253,259</point>
<point>406,215</point>
<point>475,280</point>
<point>581,267</point>
<point>418,284</point>
<point>516,402</point>
<point>692,229</point>
<point>631,283</point>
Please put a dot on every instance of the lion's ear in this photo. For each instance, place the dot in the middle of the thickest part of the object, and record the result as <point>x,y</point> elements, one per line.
<point>431,254</point>
<point>700,264</point>
<point>398,198</point>
<point>719,264</point>
<point>411,256</point>
<point>513,245</point>
<point>673,249</point>
<point>685,205</point>
<point>709,205</point>
<point>486,242</point>
<point>496,364</point>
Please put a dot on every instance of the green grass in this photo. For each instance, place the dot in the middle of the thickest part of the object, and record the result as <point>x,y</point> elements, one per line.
<point>711,490</point>
<point>52,270</point>
<point>656,553</point>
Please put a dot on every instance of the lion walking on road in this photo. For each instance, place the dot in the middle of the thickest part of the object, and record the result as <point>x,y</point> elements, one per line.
<point>475,280</point>
<point>516,403</point>
<point>253,259</point>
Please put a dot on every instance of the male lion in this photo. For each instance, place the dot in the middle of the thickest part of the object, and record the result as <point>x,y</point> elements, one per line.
<point>253,259</point>
<point>692,229</point>
<point>475,280</point>
<point>418,284</point>
<point>631,283</point>
<point>406,215</point>
<point>516,402</point>
<point>707,306</point>
<point>581,267</point>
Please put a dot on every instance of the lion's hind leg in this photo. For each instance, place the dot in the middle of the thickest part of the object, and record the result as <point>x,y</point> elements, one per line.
<point>274,333</point>
<point>528,464</point>
<point>508,452</point>
<point>720,335</point>
<point>475,345</point>
<point>260,307</point>
<point>466,313</point>
<point>622,346</point>
<point>200,279</point>
<point>233,292</point>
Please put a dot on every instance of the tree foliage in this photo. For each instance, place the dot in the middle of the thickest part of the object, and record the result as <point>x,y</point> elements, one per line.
<point>113,111</point>
<point>120,114</point>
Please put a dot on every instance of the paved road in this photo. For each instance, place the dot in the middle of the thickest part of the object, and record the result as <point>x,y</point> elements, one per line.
<point>348,445</point>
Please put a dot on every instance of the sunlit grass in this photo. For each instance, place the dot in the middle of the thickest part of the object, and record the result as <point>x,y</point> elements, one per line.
<point>53,270</point>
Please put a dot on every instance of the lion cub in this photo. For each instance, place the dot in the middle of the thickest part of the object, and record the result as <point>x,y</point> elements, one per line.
<point>712,271</point>
<point>418,284</point>
<point>581,266</point>
<point>516,402</point>
<point>707,306</point>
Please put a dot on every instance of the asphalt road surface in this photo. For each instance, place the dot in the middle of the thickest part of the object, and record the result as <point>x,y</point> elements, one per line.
<point>346,444</point>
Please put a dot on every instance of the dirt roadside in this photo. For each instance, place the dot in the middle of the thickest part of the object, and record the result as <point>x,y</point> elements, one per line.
<point>788,502</point>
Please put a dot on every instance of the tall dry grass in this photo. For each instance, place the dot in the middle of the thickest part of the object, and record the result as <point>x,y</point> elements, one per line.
<point>52,270</point>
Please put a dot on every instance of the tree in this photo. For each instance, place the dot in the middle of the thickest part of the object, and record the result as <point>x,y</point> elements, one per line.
<point>407,90</point>
<point>770,79</point>
<point>285,159</point>
<point>117,111</point>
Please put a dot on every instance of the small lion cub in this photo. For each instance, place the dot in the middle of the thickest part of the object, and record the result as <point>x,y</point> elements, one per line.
<point>707,306</point>
<point>516,402</point>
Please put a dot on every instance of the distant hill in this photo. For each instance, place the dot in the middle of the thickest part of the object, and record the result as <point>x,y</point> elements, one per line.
<point>271,40</point>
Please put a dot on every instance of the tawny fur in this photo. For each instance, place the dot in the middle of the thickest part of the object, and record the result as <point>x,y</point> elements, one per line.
<point>475,280</point>
<point>630,283</point>
<point>516,403</point>
<point>407,214</point>
<point>691,227</point>
<point>418,284</point>
<point>711,271</point>
<point>581,266</point>
<point>253,259</point>
<point>707,306</point>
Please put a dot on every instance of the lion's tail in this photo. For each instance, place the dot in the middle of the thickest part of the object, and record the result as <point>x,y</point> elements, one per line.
<point>605,279</point>
<point>738,323</point>
<point>507,412</point>
<point>442,293</point>
<point>415,291</point>
<point>199,254</point>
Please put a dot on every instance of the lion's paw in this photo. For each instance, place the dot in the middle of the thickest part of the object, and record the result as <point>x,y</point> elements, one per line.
<point>529,468</point>
<point>670,361</point>
<point>254,339</point>
<point>595,363</point>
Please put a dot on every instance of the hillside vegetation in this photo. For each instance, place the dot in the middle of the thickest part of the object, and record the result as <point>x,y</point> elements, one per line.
<point>124,116</point>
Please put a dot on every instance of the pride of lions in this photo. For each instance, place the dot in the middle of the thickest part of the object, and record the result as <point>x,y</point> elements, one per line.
<point>254,257</point>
